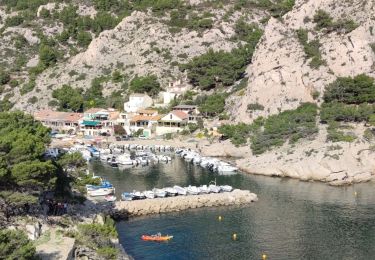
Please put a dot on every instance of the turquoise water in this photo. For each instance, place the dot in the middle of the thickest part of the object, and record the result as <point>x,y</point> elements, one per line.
<point>291,220</point>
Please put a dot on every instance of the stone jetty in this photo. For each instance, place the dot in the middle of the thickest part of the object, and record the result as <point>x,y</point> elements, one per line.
<point>173,204</point>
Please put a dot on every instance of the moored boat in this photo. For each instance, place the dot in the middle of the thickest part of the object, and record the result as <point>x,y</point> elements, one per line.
<point>127,196</point>
<point>214,189</point>
<point>170,191</point>
<point>101,192</point>
<point>192,190</point>
<point>226,188</point>
<point>149,194</point>
<point>160,193</point>
<point>204,189</point>
<point>180,190</point>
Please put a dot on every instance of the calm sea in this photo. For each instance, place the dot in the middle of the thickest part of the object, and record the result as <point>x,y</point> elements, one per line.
<point>291,220</point>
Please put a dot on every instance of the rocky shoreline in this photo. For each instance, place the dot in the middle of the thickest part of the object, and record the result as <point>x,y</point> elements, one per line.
<point>174,204</point>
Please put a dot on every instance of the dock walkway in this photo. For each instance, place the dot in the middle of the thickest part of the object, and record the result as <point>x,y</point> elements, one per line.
<point>179,203</point>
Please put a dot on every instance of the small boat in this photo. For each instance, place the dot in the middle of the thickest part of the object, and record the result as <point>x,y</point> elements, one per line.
<point>112,161</point>
<point>204,189</point>
<point>192,190</point>
<point>103,185</point>
<point>225,167</point>
<point>226,188</point>
<point>158,237</point>
<point>160,193</point>
<point>127,196</point>
<point>110,198</point>
<point>170,191</point>
<point>137,195</point>
<point>124,159</point>
<point>149,194</point>
<point>214,189</point>
<point>180,190</point>
<point>101,192</point>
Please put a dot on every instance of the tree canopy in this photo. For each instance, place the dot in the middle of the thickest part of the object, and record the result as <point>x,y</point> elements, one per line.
<point>68,98</point>
<point>146,84</point>
<point>22,144</point>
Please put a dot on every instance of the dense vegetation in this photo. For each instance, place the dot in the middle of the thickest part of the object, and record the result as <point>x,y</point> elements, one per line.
<point>348,100</point>
<point>290,125</point>
<point>324,21</point>
<point>15,245</point>
<point>274,131</point>
<point>220,68</point>
<point>98,237</point>
<point>212,105</point>
<point>146,84</point>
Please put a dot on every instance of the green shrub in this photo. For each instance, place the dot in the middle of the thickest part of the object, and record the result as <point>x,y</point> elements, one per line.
<point>372,46</point>
<point>32,100</point>
<point>289,125</point>
<point>27,87</point>
<point>108,252</point>
<point>14,244</point>
<point>14,21</point>
<point>357,90</point>
<point>254,106</point>
<point>84,38</point>
<point>4,77</point>
<point>311,48</point>
<point>323,20</point>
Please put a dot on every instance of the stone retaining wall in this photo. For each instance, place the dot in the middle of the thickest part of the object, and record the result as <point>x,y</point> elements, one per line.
<point>178,203</point>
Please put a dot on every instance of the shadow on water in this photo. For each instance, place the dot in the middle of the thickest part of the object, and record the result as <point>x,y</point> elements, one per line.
<point>291,220</point>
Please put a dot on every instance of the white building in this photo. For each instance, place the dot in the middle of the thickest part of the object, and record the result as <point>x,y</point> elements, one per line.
<point>173,122</point>
<point>136,102</point>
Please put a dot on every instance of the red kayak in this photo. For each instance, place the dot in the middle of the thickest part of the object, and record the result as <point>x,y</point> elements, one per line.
<point>157,237</point>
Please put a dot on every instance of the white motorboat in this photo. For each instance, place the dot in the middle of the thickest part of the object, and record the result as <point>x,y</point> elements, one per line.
<point>112,161</point>
<point>204,189</point>
<point>226,188</point>
<point>225,167</point>
<point>160,193</point>
<point>180,190</point>
<point>149,194</point>
<point>138,195</point>
<point>213,188</point>
<point>101,192</point>
<point>124,159</point>
<point>170,191</point>
<point>192,190</point>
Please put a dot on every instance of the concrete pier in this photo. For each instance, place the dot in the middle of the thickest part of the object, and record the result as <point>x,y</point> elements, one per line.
<point>179,203</point>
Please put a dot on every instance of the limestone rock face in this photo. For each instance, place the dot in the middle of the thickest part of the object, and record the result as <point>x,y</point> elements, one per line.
<point>280,77</point>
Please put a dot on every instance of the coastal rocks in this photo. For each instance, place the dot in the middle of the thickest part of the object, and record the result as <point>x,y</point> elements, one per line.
<point>33,230</point>
<point>175,204</point>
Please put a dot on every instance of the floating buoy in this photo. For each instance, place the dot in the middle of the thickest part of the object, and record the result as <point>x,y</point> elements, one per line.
<point>355,193</point>
<point>234,236</point>
<point>220,218</point>
<point>264,257</point>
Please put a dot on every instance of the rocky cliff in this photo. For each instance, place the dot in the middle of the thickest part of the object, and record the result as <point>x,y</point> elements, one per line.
<point>281,77</point>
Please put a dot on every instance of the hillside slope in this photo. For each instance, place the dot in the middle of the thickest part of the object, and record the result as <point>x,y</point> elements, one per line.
<point>281,77</point>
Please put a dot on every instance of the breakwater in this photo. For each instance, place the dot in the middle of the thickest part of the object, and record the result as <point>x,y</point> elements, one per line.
<point>124,209</point>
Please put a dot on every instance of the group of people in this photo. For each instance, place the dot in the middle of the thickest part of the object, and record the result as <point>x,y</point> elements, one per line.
<point>55,208</point>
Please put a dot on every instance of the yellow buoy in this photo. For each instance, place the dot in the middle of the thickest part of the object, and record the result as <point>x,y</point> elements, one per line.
<point>264,257</point>
<point>355,193</point>
<point>234,236</point>
<point>220,218</point>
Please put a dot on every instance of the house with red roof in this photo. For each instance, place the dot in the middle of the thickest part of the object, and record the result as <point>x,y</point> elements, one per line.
<point>174,122</point>
<point>59,121</point>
